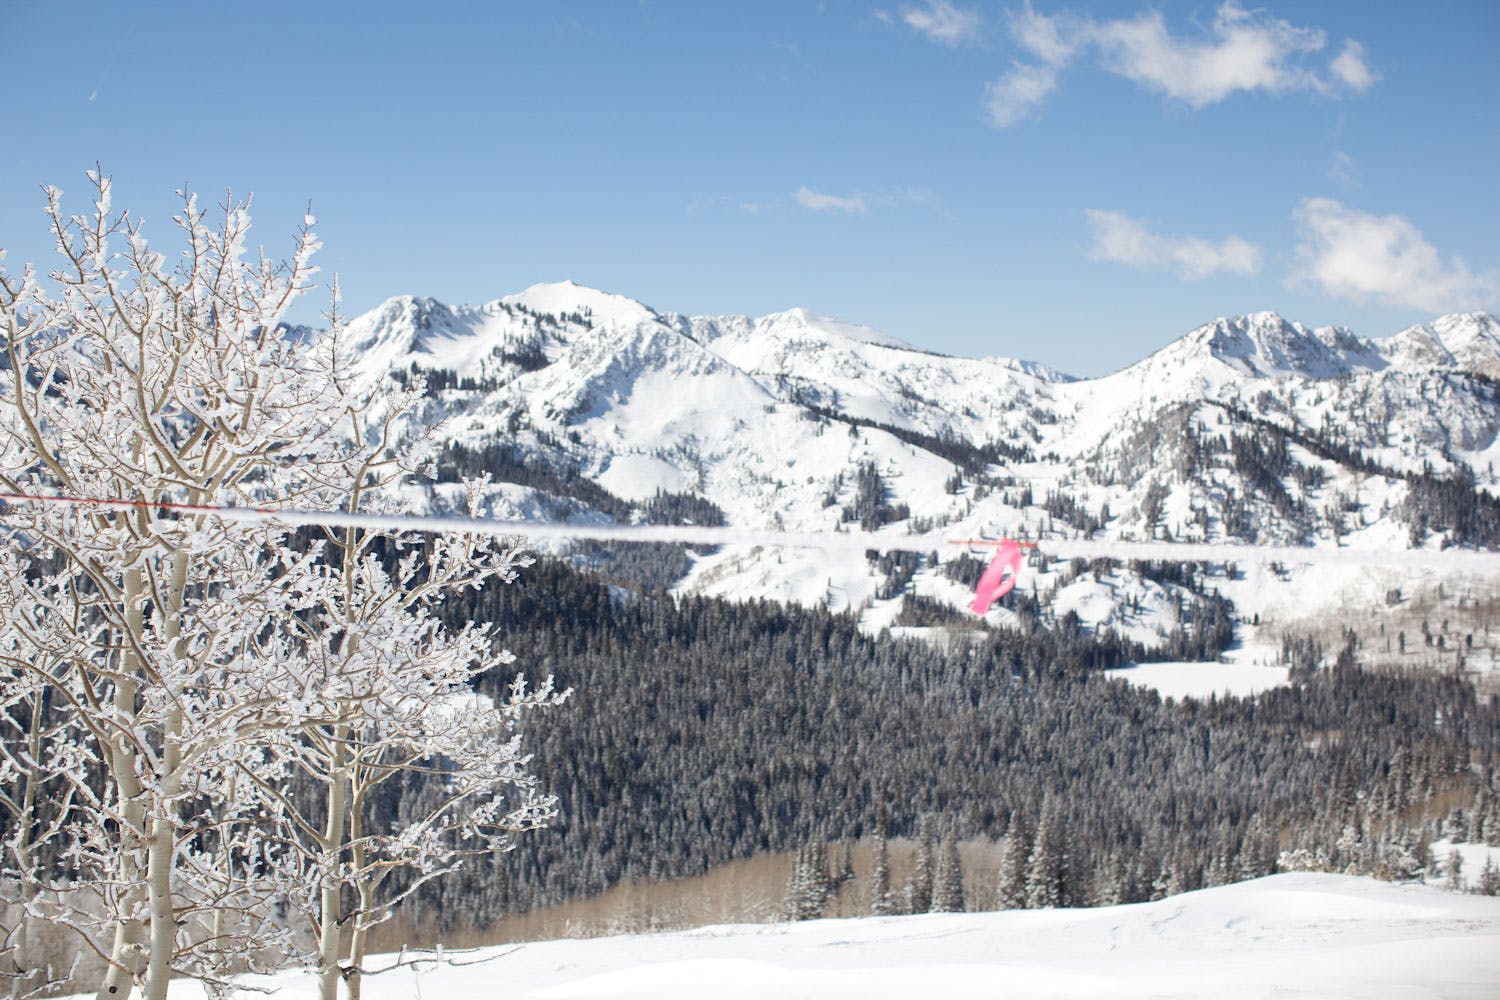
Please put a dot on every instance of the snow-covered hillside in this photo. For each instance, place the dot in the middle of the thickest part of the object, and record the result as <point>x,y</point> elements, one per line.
<point>587,404</point>
<point>1287,935</point>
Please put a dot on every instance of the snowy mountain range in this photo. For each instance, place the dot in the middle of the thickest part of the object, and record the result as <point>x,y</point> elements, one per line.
<point>590,405</point>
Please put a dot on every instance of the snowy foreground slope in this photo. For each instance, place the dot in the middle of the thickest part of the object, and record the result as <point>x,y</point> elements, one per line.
<point>1302,935</point>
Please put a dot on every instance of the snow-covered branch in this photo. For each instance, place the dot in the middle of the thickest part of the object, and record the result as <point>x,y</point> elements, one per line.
<point>209,707</point>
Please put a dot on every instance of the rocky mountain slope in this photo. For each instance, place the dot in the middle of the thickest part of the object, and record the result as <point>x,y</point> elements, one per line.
<point>589,405</point>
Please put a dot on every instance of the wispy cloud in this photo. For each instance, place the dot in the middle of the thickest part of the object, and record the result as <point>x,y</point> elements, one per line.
<point>817,201</point>
<point>1053,40</point>
<point>1241,51</point>
<point>1124,240</point>
<point>919,197</point>
<point>1351,70</point>
<point>1343,170</point>
<point>808,200</point>
<point>1016,95</point>
<point>1355,255</point>
<point>942,22</point>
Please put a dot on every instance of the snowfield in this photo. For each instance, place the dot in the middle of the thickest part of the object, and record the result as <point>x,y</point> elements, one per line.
<point>1248,667</point>
<point>1201,680</point>
<point>771,419</point>
<point>1291,935</point>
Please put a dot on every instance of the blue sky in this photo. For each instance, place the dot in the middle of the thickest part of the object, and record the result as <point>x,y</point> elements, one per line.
<point>1078,184</point>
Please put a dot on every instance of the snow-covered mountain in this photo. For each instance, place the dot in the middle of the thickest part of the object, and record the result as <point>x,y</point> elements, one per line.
<point>1466,341</point>
<point>588,404</point>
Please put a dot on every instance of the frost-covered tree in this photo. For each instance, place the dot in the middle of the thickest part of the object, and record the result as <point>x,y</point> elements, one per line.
<point>1010,892</point>
<point>201,666</point>
<point>36,749</point>
<point>1046,865</point>
<point>1110,883</point>
<point>807,886</point>
<point>1453,870</point>
<point>881,903</point>
<point>919,884</point>
<point>948,882</point>
<point>404,684</point>
<point>1489,878</point>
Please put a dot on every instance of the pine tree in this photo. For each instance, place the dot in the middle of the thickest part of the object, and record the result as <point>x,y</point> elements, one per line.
<point>1489,878</point>
<point>1491,829</point>
<point>881,903</point>
<point>1011,891</point>
<point>1453,868</point>
<point>1257,854</point>
<point>1474,827</point>
<point>948,883</point>
<point>1045,866</point>
<point>1166,881</point>
<point>1109,882</point>
<point>807,887</point>
<point>919,886</point>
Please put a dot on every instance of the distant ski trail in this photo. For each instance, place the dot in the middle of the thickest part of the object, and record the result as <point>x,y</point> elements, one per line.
<point>1472,560</point>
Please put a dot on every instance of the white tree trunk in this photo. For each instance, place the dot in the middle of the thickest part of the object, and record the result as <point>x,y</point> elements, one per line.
<point>127,951</point>
<point>331,916</point>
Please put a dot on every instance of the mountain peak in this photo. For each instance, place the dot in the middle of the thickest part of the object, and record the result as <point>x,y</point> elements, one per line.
<point>394,329</point>
<point>1267,345</point>
<point>857,332</point>
<point>1470,341</point>
<point>558,298</point>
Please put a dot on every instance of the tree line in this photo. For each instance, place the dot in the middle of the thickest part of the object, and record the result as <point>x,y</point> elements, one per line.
<point>703,731</point>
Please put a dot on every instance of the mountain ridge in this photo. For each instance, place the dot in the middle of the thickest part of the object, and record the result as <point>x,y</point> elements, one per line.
<point>1264,343</point>
<point>1250,428</point>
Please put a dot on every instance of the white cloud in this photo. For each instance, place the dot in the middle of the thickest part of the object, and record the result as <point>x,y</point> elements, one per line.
<point>1017,94</point>
<point>942,22</point>
<point>1354,255</point>
<point>1245,52</point>
<point>1123,240</point>
<point>1351,69</point>
<point>815,201</point>
<point>1053,40</point>
<point>1241,51</point>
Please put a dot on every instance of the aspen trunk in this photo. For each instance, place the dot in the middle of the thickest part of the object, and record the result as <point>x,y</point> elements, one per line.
<point>163,916</point>
<point>359,940</point>
<point>20,948</point>
<point>162,841</point>
<point>127,950</point>
<point>331,917</point>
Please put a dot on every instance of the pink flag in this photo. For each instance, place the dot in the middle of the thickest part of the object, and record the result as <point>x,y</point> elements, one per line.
<point>996,582</point>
